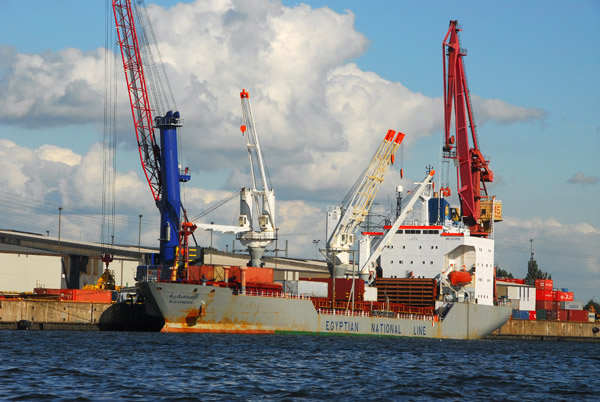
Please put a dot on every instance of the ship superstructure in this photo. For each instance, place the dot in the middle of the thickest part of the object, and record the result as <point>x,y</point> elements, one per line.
<point>439,247</point>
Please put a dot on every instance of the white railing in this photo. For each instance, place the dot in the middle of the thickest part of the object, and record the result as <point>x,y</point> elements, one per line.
<point>417,317</point>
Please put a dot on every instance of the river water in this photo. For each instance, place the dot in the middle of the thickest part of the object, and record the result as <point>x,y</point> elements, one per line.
<point>69,366</point>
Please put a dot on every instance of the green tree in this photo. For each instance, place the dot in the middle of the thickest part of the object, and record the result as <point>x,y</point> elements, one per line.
<point>500,273</point>
<point>533,272</point>
<point>594,304</point>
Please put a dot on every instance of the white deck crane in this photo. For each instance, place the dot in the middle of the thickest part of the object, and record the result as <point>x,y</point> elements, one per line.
<point>345,219</point>
<point>369,266</point>
<point>256,206</point>
<point>256,223</point>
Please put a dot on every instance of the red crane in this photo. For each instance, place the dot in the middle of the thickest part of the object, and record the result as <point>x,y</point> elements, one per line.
<point>138,94</point>
<point>158,149</point>
<point>473,169</point>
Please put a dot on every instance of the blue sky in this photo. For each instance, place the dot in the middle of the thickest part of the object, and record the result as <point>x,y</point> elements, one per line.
<point>539,58</point>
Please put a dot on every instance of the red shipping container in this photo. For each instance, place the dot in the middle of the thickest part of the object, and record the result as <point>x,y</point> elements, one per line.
<point>543,294</point>
<point>532,315</point>
<point>546,305</point>
<point>562,315</point>
<point>94,296</point>
<point>44,291</point>
<point>66,294</point>
<point>343,287</point>
<point>578,315</point>
<point>543,284</point>
<point>564,296</point>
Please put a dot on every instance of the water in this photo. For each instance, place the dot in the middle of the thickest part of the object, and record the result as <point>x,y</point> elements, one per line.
<point>63,365</point>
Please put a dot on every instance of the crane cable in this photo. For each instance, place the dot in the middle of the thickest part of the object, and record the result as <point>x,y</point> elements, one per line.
<point>109,162</point>
<point>161,94</point>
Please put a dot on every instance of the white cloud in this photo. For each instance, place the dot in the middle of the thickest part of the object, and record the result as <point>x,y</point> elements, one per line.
<point>568,251</point>
<point>502,112</point>
<point>320,118</point>
<point>59,88</point>
<point>52,153</point>
<point>580,178</point>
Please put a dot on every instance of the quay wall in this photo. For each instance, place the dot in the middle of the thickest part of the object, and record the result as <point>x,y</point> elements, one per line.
<point>51,314</point>
<point>547,330</point>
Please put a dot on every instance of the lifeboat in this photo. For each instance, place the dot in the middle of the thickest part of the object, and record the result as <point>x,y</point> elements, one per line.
<point>459,278</point>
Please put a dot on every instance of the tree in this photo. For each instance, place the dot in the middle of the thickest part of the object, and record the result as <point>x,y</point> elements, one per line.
<point>533,272</point>
<point>500,273</point>
<point>594,304</point>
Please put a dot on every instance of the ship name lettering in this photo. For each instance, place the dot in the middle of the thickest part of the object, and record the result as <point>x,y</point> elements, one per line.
<point>182,299</point>
<point>381,328</point>
<point>345,326</point>
<point>420,330</point>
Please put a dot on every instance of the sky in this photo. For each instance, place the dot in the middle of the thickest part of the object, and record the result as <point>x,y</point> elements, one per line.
<point>326,79</point>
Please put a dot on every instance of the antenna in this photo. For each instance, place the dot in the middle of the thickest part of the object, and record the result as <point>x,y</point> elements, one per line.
<point>532,253</point>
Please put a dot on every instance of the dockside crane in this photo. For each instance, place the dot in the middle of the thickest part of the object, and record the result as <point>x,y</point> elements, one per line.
<point>159,157</point>
<point>479,211</point>
<point>255,203</point>
<point>256,223</point>
<point>343,221</point>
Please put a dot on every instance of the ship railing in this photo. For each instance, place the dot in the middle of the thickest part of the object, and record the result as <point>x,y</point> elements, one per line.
<point>356,313</point>
<point>278,295</point>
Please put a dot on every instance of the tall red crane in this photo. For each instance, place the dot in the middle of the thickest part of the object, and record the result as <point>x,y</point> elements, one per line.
<point>158,153</point>
<point>473,170</point>
<point>138,94</point>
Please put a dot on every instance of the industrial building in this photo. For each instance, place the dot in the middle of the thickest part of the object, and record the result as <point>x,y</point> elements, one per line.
<point>30,260</point>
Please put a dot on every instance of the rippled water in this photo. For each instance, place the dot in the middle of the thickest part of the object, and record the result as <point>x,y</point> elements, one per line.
<point>63,365</point>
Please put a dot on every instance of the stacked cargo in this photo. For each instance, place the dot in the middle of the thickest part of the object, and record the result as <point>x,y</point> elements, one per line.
<point>554,304</point>
<point>407,291</point>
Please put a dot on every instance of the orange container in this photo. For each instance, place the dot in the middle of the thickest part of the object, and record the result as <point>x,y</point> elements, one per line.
<point>195,272</point>
<point>94,296</point>
<point>253,274</point>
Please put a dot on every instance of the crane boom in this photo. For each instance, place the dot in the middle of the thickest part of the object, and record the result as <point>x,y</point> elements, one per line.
<point>351,216</point>
<point>473,169</point>
<point>138,94</point>
<point>160,162</point>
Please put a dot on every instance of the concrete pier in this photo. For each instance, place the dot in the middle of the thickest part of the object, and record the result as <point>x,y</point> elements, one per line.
<point>547,331</point>
<point>50,314</point>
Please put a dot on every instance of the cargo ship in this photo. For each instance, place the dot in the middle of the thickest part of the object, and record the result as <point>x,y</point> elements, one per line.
<point>213,308</point>
<point>433,280</point>
<point>454,300</point>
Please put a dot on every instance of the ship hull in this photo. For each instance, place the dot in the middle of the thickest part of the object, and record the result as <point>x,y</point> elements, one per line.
<point>205,309</point>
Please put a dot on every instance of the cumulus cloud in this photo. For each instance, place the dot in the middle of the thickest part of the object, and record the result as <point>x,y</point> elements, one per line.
<point>52,153</point>
<point>502,112</point>
<point>568,251</point>
<point>61,88</point>
<point>580,178</point>
<point>319,116</point>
